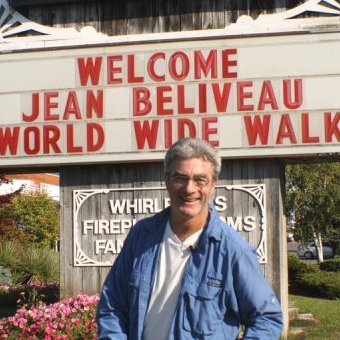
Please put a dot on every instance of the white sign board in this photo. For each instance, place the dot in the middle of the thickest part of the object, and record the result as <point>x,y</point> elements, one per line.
<point>97,239</point>
<point>249,97</point>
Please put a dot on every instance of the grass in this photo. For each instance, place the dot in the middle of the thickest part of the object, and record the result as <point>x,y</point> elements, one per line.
<point>327,312</point>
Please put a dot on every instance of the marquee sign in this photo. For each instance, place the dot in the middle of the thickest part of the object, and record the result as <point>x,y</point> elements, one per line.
<point>130,98</point>
<point>98,239</point>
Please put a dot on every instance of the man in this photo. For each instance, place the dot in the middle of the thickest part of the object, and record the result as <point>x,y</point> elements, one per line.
<point>183,273</point>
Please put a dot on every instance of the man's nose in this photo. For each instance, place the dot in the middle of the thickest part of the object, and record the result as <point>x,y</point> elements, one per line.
<point>190,185</point>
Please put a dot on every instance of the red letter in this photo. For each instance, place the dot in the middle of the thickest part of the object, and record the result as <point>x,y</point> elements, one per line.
<point>205,65</point>
<point>131,70</point>
<point>287,93</point>
<point>70,142</point>
<point>182,123</point>
<point>167,133</point>
<point>89,70</point>
<point>94,104</point>
<point>91,145</point>
<point>259,128</point>
<point>36,140</point>
<point>161,99</point>
<point>111,71</point>
<point>332,127</point>
<point>202,98</point>
<point>185,66</point>
<point>267,96</point>
<point>48,105</point>
<point>221,99</point>
<point>241,96</point>
<point>141,96</point>
<point>51,140</point>
<point>9,140</point>
<point>146,133</point>
<point>72,106</point>
<point>285,130</point>
<point>207,131</point>
<point>151,66</point>
<point>35,109</point>
<point>181,102</point>
<point>226,63</point>
<point>305,130</point>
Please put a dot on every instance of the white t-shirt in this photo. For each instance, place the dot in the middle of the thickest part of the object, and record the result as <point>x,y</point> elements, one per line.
<point>164,297</point>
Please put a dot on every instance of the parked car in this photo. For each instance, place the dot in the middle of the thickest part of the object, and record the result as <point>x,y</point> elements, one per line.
<point>309,251</point>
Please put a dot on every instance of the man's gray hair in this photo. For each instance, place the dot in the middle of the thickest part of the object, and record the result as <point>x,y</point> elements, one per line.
<point>192,148</point>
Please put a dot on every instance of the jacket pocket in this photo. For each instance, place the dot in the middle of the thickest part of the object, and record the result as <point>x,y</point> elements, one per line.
<point>201,309</point>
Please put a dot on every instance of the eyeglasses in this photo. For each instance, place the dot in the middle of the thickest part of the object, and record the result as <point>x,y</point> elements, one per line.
<point>200,181</point>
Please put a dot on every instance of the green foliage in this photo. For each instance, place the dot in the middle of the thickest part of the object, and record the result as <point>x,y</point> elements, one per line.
<point>38,265</point>
<point>37,214</point>
<point>5,276</point>
<point>321,284</point>
<point>28,263</point>
<point>313,199</point>
<point>307,279</point>
<point>296,268</point>
<point>9,251</point>
<point>331,265</point>
<point>7,227</point>
<point>29,298</point>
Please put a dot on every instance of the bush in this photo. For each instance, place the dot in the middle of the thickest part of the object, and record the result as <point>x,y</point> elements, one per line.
<point>37,214</point>
<point>29,264</point>
<point>331,265</point>
<point>321,284</point>
<point>9,252</point>
<point>28,294</point>
<point>296,268</point>
<point>5,276</point>
<point>37,265</point>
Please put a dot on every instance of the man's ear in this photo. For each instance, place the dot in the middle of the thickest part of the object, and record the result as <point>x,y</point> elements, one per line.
<point>213,184</point>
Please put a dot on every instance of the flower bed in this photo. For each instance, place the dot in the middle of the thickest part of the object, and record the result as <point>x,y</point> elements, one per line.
<point>72,318</point>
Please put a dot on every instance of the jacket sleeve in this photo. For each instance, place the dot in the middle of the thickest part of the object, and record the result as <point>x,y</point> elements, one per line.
<point>112,313</point>
<point>258,307</point>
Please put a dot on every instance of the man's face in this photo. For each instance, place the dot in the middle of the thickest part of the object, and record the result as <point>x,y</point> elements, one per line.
<point>190,187</point>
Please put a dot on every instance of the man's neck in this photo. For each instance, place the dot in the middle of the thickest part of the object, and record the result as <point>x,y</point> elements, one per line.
<point>183,228</point>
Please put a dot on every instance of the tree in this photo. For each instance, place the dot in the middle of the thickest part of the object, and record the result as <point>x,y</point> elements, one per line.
<point>37,214</point>
<point>313,200</point>
<point>7,226</point>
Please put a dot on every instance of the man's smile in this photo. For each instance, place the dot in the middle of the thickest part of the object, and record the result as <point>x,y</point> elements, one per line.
<point>190,199</point>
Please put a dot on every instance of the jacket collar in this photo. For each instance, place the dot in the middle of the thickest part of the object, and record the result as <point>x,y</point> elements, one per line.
<point>210,230</point>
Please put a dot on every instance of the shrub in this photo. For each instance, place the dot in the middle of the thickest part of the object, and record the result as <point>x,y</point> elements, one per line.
<point>37,214</point>
<point>331,265</point>
<point>321,284</point>
<point>29,264</point>
<point>38,265</point>
<point>5,276</point>
<point>9,252</point>
<point>28,294</point>
<point>296,268</point>
<point>72,318</point>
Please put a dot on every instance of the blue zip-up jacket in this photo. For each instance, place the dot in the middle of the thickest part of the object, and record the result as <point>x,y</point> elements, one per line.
<point>222,287</point>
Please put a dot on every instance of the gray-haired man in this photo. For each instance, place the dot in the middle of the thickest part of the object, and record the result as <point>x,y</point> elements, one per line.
<point>183,273</point>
